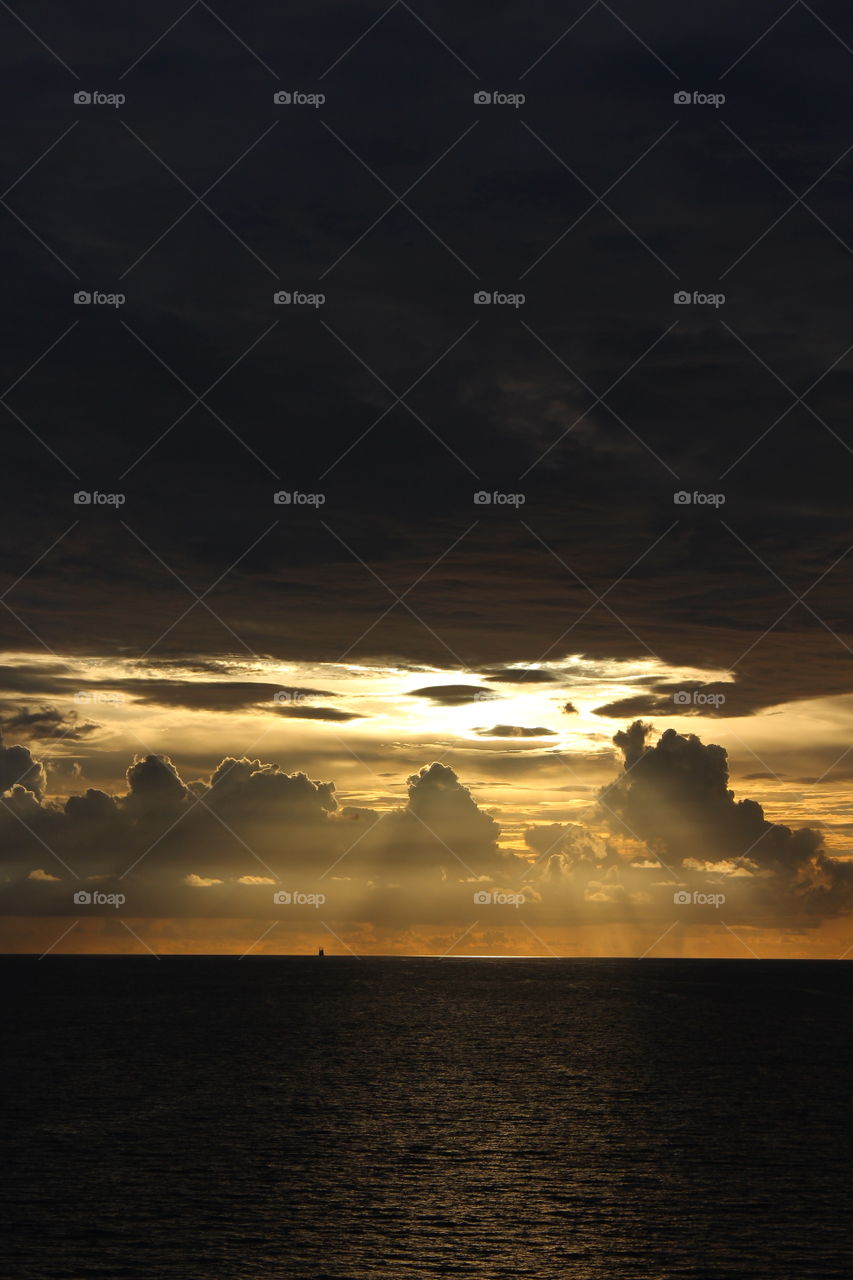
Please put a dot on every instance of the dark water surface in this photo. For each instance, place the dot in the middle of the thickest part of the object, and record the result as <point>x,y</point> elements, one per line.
<point>216,1119</point>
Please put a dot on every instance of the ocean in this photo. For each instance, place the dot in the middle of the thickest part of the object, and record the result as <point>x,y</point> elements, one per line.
<point>403,1119</point>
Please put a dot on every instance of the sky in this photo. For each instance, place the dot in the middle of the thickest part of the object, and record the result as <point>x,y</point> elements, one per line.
<point>426,471</point>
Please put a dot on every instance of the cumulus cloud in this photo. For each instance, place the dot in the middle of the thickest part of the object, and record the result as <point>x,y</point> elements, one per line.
<point>674,796</point>
<point>220,845</point>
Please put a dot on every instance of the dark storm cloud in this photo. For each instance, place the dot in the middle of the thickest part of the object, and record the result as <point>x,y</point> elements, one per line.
<point>298,410</point>
<point>317,713</point>
<point>453,695</point>
<point>529,675</point>
<point>214,695</point>
<point>515,731</point>
<point>47,722</point>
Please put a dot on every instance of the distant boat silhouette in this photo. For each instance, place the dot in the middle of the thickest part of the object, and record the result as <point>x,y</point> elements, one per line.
<point>321,952</point>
